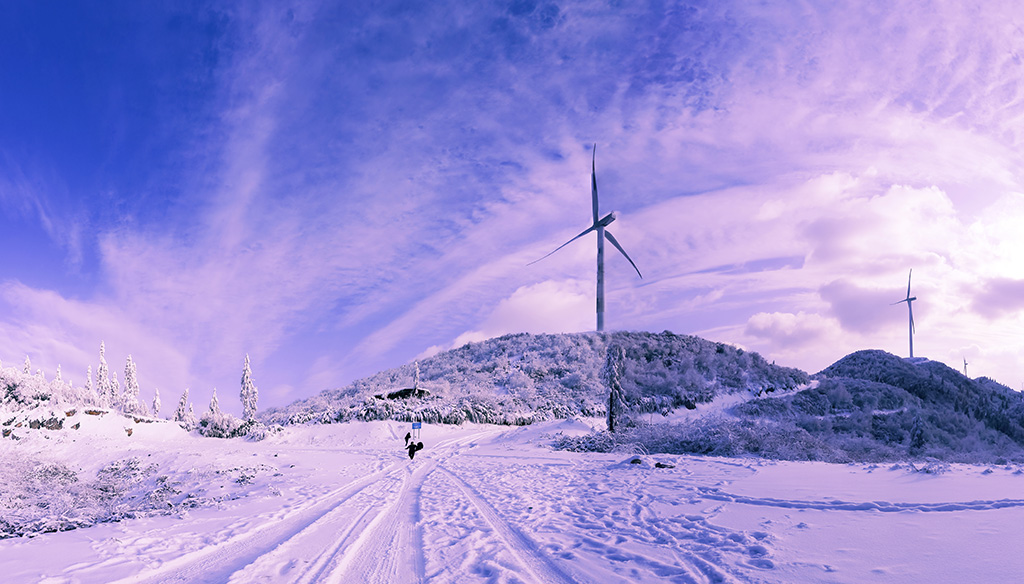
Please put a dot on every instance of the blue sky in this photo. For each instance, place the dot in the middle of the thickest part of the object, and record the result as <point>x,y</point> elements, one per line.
<point>335,188</point>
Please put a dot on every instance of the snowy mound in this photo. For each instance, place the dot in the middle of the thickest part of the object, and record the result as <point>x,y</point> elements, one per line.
<point>868,406</point>
<point>523,378</point>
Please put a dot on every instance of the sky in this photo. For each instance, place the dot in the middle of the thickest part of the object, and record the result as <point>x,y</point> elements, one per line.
<point>336,188</point>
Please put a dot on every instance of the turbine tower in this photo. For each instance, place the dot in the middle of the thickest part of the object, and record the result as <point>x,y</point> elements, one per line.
<point>600,226</point>
<point>910,308</point>
<point>965,366</point>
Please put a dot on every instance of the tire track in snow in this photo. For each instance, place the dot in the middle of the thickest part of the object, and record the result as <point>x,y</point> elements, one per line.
<point>311,555</point>
<point>366,531</point>
<point>390,548</point>
<point>217,563</point>
<point>540,566</point>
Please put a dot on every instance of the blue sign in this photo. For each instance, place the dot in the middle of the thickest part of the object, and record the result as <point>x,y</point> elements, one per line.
<point>417,425</point>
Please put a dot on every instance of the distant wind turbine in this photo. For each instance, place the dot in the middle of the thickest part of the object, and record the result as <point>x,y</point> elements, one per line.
<point>910,309</point>
<point>965,366</point>
<point>599,225</point>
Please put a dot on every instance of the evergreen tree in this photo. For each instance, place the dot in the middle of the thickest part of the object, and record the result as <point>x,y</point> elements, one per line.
<point>28,366</point>
<point>115,392</point>
<point>214,404</point>
<point>612,374</point>
<point>58,379</point>
<point>103,380</point>
<point>249,393</point>
<point>182,411</point>
<point>190,422</point>
<point>130,400</point>
<point>156,403</point>
<point>90,391</point>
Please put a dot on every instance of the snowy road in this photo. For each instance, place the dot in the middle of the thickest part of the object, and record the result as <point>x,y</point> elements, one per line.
<point>494,505</point>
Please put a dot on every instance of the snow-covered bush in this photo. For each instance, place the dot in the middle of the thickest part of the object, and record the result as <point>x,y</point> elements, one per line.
<point>41,497</point>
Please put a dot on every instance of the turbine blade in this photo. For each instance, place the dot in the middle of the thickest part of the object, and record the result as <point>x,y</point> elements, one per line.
<point>585,231</point>
<point>611,238</point>
<point>593,181</point>
<point>908,281</point>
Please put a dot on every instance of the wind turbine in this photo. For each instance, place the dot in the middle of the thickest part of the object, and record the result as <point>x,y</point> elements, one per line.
<point>910,309</point>
<point>600,226</point>
<point>965,366</point>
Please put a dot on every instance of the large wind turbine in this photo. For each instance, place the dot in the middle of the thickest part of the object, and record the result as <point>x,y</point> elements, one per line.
<point>910,308</point>
<point>599,225</point>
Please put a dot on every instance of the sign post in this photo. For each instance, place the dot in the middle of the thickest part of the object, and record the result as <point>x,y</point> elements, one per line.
<point>416,427</point>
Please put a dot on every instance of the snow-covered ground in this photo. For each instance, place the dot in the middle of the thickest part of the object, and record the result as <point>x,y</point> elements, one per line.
<point>343,503</point>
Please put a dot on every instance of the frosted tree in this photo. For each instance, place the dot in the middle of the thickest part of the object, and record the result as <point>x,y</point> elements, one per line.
<point>612,375</point>
<point>214,404</point>
<point>130,399</point>
<point>28,366</point>
<point>58,389</point>
<point>190,422</point>
<point>249,393</point>
<point>182,411</point>
<point>89,390</point>
<point>115,392</point>
<point>156,402</point>
<point>103,380</point>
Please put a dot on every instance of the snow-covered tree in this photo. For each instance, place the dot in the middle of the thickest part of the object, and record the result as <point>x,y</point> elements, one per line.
<point>115,392</point>
<point>57,378</point>
<point>182,411</point>
<point>612,373</point>
<point>130,401</point>
<point>103,386</point>
<point>214,404</point>
<point>156,402</point>
<point>249,394</point>
<point>28,366</point>
<point>190,422</point>
<point>89,389</point>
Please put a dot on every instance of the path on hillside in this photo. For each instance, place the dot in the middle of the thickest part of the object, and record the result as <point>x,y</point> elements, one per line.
<point>369,530</point>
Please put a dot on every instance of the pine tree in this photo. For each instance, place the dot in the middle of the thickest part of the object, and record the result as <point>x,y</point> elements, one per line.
<point>58,379</point>
<point>179,414</point>
<point>249,394</point>
<point>103,380</point>
<point>115,392</point>
<point>90,391</point>
<point>190,422</point>
<point>28,366</point>
<point>156,403</point>
<point>130,400</point>
<point>214,404</point>
<point>612,374</point>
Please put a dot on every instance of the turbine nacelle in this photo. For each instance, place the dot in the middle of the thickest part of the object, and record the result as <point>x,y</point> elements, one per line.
<point>606,220</point>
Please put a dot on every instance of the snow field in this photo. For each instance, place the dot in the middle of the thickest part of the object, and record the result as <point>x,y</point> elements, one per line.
<point>343,503</point>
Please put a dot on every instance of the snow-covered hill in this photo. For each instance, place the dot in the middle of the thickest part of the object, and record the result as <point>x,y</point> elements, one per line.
<point>870,406</point>
<point>524,378</point>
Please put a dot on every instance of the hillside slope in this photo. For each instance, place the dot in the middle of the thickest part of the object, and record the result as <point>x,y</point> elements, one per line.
<point>868,406</point>
<point>523,378</point>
